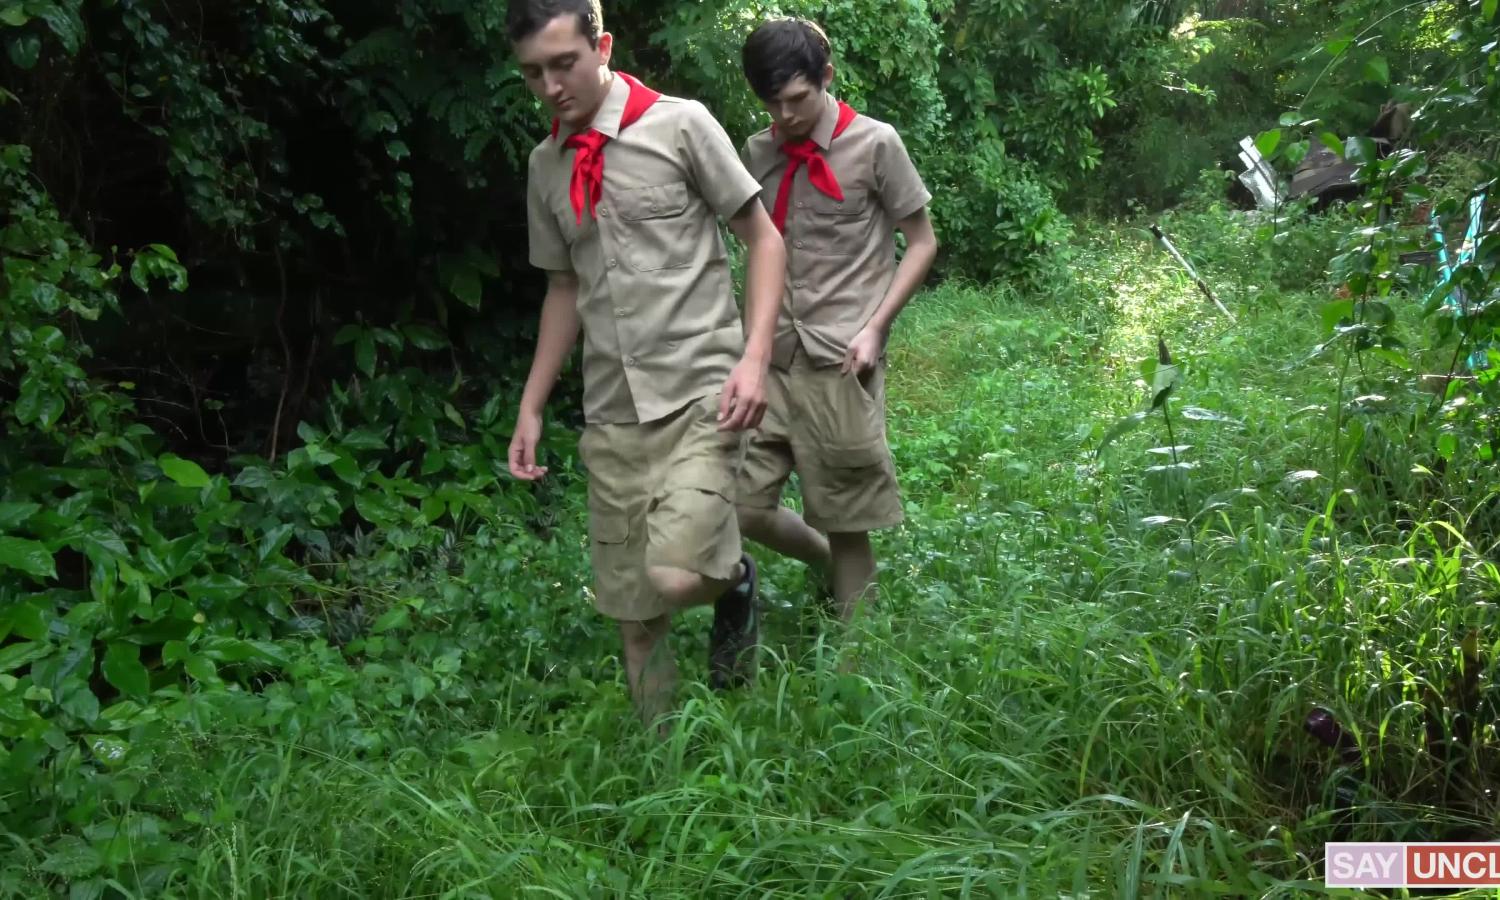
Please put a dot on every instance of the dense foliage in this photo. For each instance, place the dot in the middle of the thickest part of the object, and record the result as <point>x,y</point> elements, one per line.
<point>264,311</point>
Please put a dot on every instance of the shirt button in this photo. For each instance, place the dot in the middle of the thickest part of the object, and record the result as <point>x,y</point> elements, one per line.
<point>630,361</point>
<point>612,264</point>
<point>798,245</point>
<point>619,310</point>
<point>797,322</point>
<point>604,211</point>
<point>801,205</point>
<point>654,207</point>
<point>799,284</point>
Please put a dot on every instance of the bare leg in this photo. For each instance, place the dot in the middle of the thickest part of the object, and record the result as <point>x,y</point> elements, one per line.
<point>786,533</point>
<point>683,589</point>
<point>650,667</point>
<point>853,572</point>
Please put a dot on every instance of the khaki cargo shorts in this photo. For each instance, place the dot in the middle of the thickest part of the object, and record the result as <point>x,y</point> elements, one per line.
<point>660,494</point>
<point>830,428</point>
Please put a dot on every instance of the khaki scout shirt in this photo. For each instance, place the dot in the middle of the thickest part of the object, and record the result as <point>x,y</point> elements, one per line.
<point>841,255</point>
<point>660,325</point>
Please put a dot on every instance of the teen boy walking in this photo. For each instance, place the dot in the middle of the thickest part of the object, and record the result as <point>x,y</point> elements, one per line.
<point>838,185</point>
<point>622,200</point>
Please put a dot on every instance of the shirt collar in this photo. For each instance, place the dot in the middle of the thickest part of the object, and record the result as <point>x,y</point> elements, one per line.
<point>607,119</point>
<point>828,120</point>
<point>822,133</point>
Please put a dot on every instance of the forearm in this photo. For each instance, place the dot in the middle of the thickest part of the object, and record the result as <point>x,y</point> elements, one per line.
<point>765,279</point>
<point>555,339</point>
<point>904,285</point>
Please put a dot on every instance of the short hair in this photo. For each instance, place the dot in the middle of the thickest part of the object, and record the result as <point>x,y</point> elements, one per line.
<point>523,18</point>
<point>781,49</point>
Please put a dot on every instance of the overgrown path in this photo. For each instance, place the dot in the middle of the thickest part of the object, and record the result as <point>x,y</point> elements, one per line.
<point>1067,690</point>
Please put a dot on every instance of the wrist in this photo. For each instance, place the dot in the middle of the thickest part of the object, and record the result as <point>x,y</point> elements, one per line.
<point>757,353</point>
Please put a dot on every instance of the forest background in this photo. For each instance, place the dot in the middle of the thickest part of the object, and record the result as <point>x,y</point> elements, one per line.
<point>273,622</point>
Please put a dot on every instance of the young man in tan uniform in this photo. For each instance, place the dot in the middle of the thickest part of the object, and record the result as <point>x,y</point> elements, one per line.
<point>622,203</point>
<point>838,185</point>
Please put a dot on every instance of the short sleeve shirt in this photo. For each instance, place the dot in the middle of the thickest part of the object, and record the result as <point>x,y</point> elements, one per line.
<point>655,298</point>
<point>841,254</point>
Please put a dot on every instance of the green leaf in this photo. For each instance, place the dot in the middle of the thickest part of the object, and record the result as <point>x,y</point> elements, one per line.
<point>1120,429</point>
<point>466,287</point>
<point>184,472</point>
<point>12,515</point>
<point>453,415</point>
<point>174,651</point>
<point>1199,414</point>
<point>72,858</point>
<point>425,337</point>
<point>396,617</point>
<point>37,403</point>
<point>347,470</point>
<point>1268,141</point>
<point>109,750</point>
<point>1447,445</point>
<point>1394,358</point>
<point>201,668</point>
<point>1361,150</point>
<point>432,509</point>
<point>214,589</point>
<point>1336,312</point>
<point>1332,142</point>
<point>14,656</point>
<point>78,701</point>
<point>364,353</point>
<point>27,618</point>
<point>14,16</point>
<point>66,25</point>
<point>1164,379</point>
<point>1489,8</point>
<point>25,50</point>
<point>123,669</point>
<point>26,556</point>
<point>1378,70</point>
<point>365,439</point>
<point>274,540</point>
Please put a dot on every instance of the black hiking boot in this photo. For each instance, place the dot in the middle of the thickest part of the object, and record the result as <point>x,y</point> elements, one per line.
<point>735,633</point>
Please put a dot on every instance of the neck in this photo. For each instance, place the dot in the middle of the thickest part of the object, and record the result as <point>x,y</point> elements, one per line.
<point>606,83</point>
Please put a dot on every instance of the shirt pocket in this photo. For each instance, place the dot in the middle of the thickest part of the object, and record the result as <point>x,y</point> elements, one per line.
<point>659,225</point>
<point>839,227</point>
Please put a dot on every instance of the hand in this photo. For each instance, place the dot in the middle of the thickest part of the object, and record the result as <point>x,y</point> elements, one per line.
<point>742,402</point>
<point>523,447</point>
<point>864,351</point>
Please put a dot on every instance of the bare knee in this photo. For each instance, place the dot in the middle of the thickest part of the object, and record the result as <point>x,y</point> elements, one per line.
<point>756,523</point>
<point>681,588</point>
<point>849,543</point>
<point>678,587</point>
<point>640,638</point>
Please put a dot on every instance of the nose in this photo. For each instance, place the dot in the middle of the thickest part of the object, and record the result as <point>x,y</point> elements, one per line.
<point>552,86</point>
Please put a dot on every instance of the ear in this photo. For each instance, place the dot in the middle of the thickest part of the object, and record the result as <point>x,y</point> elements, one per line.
<point>828,76</point>
<point>606,48</point>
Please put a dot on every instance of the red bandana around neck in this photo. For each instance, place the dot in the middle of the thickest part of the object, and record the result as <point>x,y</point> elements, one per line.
<point>588,162</point>
<point>819,173</point>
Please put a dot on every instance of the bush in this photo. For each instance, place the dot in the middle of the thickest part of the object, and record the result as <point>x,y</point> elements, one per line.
<point>994,215</point>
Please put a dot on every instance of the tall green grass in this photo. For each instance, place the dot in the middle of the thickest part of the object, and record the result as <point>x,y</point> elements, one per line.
<point>1088,676</point>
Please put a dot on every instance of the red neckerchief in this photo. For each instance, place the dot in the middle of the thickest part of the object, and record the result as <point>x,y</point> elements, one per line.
<point>819,173</point>
<point>588,163</point>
